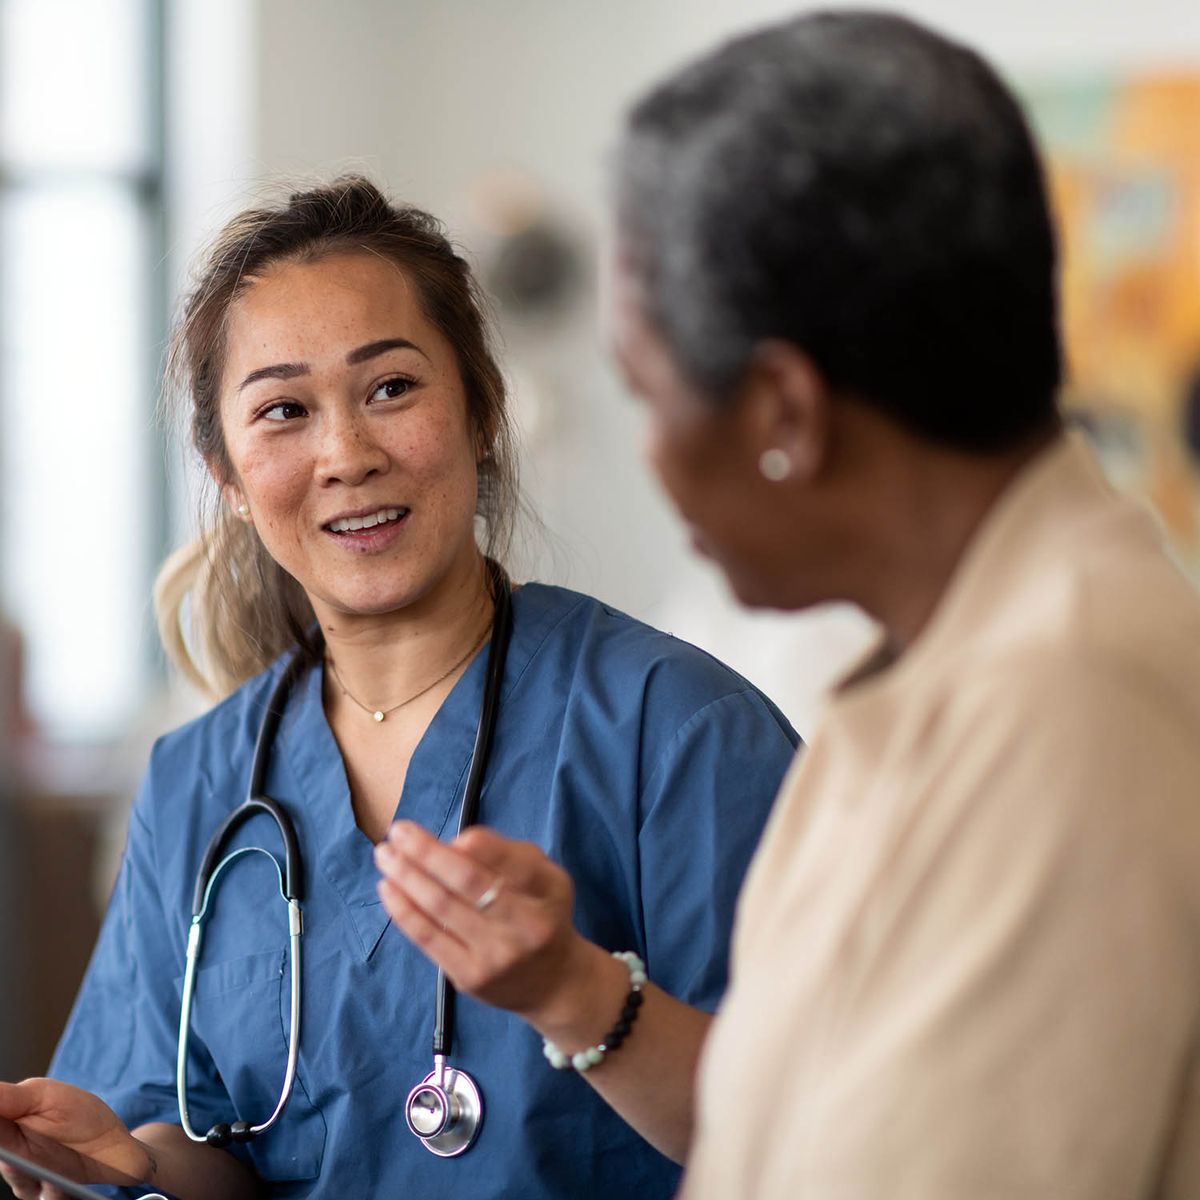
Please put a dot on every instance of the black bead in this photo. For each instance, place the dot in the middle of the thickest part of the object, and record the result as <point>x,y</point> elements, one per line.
<point>620,1030</point>
<point>219,1136</point>
<point>241,1131</point>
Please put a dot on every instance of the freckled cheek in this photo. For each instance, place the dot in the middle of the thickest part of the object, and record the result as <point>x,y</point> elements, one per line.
<point>275,489</point>
<point>440,453</point>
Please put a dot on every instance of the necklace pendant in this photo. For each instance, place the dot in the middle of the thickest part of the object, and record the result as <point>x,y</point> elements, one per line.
<point>378,714</point>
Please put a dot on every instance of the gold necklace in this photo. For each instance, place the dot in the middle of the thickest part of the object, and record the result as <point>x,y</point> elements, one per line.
<point>378,714</point>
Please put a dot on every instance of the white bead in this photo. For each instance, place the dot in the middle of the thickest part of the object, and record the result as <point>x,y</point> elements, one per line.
<point>377,715</point>
<point>594,1055</point>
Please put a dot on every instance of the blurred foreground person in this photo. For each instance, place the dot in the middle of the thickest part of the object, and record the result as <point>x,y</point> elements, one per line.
<point>967,956</point>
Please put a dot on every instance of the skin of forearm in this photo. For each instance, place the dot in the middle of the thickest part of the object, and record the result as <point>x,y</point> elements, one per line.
<point>649,1080</point>
<point>192,1170</point>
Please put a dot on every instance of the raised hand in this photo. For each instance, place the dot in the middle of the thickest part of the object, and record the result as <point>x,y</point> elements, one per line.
<point>495,915</point>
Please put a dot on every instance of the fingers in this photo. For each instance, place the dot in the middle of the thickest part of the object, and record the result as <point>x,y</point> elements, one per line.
<point>428,934</point>
<point>20,1100</point>
<point>49,1108</point>
<point>462,876</point>
<point>432,892</point>
<point>439,900</point>
<point>69,1131</point>
<point>500,854</point>
<point>472,862</point>
<point>476,885</point>
<point>26,1187</point>
<point>21,1186</point>
<point>11,1138</point>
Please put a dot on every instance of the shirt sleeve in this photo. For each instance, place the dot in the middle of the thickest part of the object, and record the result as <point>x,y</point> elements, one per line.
<point>120,1040</point>
<point>1022,1007</point>
<point>704,808</point>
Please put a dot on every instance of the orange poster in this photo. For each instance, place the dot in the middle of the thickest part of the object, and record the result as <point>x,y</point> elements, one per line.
<point>1124,164</point>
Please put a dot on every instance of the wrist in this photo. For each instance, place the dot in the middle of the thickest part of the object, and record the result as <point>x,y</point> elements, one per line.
<point>580,1010</point>
<point>147,1159</point>
<point>586,1059</point>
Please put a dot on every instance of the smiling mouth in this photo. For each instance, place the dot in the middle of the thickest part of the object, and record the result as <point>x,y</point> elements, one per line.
<point>384,516</point>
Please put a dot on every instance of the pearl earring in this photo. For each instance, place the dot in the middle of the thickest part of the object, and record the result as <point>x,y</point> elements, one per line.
<point>775,465</point>
<point>243,510</point>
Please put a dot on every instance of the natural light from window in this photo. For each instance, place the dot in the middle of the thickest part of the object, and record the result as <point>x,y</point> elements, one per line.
<point>77,323</point>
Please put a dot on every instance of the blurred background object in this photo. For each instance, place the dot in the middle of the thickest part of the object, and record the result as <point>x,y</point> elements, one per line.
<point>131,129</point>
<point>1124,152</point>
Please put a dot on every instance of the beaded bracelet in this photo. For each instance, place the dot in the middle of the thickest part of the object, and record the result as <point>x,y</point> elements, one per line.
<point>593,1056</point>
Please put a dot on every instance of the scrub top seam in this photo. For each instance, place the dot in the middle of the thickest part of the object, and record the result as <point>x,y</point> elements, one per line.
<point>549,631</point>
<point>669,749</point>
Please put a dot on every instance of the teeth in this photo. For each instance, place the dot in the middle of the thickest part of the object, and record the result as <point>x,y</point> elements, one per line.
<point>350,524</point>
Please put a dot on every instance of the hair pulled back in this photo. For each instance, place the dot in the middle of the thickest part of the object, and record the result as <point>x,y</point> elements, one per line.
<point>225,608</point>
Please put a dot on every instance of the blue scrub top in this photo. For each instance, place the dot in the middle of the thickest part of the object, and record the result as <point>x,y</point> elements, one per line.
<point>637,762</point>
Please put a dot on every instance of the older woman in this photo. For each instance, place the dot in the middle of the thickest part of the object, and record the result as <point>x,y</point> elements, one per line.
<point>347,407</point>
<point>968,953</point>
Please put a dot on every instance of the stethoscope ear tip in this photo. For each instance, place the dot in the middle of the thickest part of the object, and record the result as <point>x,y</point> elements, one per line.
<point>220,1136</point>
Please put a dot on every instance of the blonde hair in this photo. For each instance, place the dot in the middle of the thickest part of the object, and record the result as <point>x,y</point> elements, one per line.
<point>225,608</point>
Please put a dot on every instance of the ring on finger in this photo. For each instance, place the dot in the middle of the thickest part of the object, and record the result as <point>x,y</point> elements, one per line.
<point>489,897</point>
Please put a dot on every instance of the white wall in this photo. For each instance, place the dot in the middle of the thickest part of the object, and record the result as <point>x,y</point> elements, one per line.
<point>427,95</point>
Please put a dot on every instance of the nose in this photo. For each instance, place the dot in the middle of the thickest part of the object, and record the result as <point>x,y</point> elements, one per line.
<point>350,454</point>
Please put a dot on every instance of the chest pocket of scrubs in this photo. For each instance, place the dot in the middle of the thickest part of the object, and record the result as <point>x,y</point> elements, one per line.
<point>241,1012</point>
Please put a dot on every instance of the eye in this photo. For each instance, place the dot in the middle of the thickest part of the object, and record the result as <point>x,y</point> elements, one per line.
<point>392,389</point>
<point>281,410</point>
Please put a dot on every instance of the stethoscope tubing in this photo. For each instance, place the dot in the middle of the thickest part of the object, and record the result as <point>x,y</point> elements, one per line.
<point>291,885</point>
<point>195,937</point>
<point>443,1024</point>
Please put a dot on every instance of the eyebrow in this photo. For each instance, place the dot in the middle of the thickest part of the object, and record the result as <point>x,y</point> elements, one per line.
<point>374,349</point>
<point>354,358</point>
<point>277,371</point>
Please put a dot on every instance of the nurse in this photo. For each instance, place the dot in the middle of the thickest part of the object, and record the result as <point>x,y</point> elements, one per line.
<point>345,400</point>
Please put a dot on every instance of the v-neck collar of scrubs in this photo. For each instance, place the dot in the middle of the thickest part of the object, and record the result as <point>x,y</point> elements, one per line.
<point>436,773</point>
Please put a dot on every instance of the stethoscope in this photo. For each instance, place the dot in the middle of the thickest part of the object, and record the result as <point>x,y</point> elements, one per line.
<point>444,1110</point>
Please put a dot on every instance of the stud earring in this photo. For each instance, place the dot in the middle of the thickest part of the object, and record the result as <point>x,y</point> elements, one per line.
<point>243,510</point>
<point>774,465</point>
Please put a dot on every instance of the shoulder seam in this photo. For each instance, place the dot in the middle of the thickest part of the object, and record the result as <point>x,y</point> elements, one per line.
<point>747,692</point>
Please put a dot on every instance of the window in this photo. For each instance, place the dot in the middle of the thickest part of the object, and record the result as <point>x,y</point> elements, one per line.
<point>81,320</point>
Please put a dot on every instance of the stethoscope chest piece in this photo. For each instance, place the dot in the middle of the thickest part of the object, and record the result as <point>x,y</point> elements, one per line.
<point>445,1110</point>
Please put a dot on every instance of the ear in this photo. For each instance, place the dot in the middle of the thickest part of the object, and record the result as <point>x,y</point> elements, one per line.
<point>483,433</point>
<point>233,499</point>
<point>787,403</point>
<point>483,447</point>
